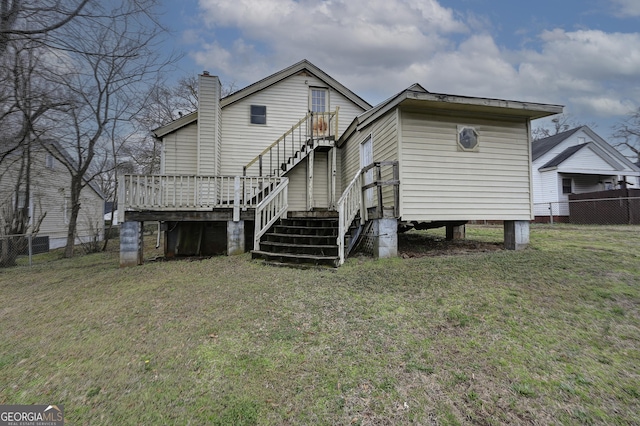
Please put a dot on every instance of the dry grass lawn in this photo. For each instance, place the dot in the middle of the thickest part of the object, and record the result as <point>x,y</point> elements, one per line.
<point>547,335</point>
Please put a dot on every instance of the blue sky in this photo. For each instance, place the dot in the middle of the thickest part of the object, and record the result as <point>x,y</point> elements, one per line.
<point>584,54</point>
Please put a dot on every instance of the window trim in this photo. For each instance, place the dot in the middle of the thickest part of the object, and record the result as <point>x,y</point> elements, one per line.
<point>252,115</point>
<point>570,186</point>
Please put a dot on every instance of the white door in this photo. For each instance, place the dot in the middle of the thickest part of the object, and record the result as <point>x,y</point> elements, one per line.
<point>366,158</point>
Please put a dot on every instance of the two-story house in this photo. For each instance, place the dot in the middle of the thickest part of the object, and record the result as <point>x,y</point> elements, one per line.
<point>297,168</point>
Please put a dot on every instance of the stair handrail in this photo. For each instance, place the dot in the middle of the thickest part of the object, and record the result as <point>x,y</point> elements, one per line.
<point>349,204</point>
<point>307,120</point>
<point>270,209</point>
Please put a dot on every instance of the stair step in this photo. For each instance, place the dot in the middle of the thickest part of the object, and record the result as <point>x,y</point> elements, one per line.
<point>301,240</point>
<point>301,236</point>
<point>306,230</point>
<point>296,248</point>
<point>297,258</point>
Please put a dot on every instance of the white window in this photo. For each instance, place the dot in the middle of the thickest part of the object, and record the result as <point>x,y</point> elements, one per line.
<point>50,161</point>
<point>258,114</point>
<point>467,138</point>
<point>22,204</point>
<point>67,210</point>
<point>319,100</point>
<point>567,185</point>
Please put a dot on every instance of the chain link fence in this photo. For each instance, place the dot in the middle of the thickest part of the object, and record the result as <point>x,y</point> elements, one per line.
<point>593,211</point>
<point>19,250</point>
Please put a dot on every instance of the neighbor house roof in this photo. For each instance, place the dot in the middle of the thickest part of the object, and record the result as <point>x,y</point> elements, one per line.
<point>569,152</point>
<point>294,69</point>
<point>415,96</point>
<point>596,143</point>
<point>542,146</point>
<point>564,155</point>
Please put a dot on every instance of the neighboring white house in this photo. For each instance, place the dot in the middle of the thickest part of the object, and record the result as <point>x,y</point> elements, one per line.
<point>50,186</point>
<point>310,146</point>
<point>575,162</point>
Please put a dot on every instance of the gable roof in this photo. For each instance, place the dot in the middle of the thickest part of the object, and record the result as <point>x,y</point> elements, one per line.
<point>603,148</point>
<point>234,97</point>
<point>294,69</point>
<point>416,96</point>
<point>542,146</point>
<point>569,152</point>
<point>564,155</point>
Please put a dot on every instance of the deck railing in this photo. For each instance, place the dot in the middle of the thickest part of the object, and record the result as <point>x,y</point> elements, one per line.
<point>349,204</point>
<point>190,192</point>
<point>312,127</point>
<point>272,208</point>
<point>355,199</point>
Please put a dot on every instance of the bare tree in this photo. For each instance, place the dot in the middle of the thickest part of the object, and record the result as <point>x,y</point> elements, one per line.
<point>23,105</point>
<point>27,19</point>
<point>560,123</point>
<point>113,60</point>
<point>628,135</point>
<point>166,104</point>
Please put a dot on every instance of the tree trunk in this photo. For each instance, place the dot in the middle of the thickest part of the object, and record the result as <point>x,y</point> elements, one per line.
<point>76,188</point>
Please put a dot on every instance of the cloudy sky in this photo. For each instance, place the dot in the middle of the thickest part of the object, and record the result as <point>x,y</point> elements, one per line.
<point>584,54</point>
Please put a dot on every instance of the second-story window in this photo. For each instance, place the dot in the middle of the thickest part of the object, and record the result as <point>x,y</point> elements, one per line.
<point>50,162</point>
<point>258,114</point>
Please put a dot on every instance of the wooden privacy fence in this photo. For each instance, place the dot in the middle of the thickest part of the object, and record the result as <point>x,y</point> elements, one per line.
<point>620,206</point>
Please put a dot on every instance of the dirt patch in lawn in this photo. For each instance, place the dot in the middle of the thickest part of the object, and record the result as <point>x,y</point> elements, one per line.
<point>421,244</point>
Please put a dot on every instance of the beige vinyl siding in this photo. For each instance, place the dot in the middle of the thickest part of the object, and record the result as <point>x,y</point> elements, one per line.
<point>384,133</point>
<point>439,182</point>
<point>209,124</point>
<point>180,151</point>
<point>298,187</point>
<point>321,180</point>
<point>50,188</point>
<point>298,183</point>
<point>287,102</point>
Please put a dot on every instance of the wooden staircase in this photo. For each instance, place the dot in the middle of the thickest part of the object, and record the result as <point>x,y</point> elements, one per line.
<point>295,145</point>
<point>301,241</point>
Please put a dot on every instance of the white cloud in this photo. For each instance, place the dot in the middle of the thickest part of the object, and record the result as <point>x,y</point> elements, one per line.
<point>339,34</point>
<point>603,106</point>
<point>626,8</point>
<point>379,47</point>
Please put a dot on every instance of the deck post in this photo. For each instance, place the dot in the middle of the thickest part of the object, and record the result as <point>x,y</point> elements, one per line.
<point>131,253</point>
<point>516,234</point>
<point>456,232</point>
<point>236,199</point>
<point>385,234</point>
<point>310,159</point>
<point>235,237</point>
<point>332,201</point>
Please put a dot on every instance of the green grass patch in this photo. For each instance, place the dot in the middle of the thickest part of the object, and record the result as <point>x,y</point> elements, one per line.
<point>547,335</point>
